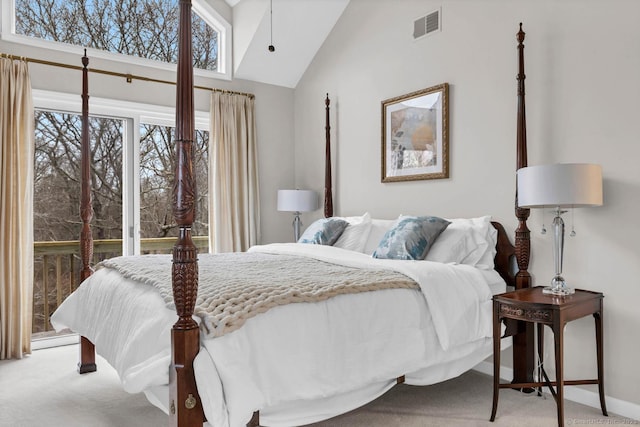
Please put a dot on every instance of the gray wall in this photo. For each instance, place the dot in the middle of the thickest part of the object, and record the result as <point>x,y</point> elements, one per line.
<point>582,68</point>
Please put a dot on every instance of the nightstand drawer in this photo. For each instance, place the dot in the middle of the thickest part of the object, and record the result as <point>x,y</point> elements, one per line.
<point>516,311</point>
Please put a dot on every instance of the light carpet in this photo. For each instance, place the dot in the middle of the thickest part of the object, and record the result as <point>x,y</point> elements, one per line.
<point>44,389</point>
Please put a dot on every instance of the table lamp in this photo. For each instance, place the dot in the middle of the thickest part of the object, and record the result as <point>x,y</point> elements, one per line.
<point>297,201</point>
<point>559,186</point>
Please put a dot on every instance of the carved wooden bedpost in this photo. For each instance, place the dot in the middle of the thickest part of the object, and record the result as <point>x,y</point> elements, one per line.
<point>87,361</point>
<point>328,195</point>
<point>523,350</point>
<point>523,245</point>
<point>185,406</point>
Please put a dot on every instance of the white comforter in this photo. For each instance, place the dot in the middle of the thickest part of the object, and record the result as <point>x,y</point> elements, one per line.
<point>455,293</point>
<point>301,362</point>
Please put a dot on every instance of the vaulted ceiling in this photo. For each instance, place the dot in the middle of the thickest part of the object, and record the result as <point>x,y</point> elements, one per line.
<point>296,28</point>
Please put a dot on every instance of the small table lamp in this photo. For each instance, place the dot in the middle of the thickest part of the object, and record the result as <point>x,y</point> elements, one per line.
<point>559,186</point>
<point>297,201</point>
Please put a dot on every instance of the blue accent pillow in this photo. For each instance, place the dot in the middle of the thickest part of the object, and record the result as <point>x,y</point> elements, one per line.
<point>325,231</point>
<point>410,238</point>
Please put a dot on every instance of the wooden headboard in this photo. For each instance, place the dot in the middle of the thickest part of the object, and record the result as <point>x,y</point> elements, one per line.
<point>504,260</point>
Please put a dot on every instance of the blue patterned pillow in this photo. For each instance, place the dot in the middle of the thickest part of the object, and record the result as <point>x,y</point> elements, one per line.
<point>325,231</point>
<point>410,238</point>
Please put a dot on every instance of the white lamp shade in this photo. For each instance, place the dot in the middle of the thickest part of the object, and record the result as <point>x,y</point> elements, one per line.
<point>297,200</point>
<point>560,185</point>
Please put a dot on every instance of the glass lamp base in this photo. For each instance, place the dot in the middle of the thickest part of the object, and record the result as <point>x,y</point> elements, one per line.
<point>561,290</point>
<point>558,287</point>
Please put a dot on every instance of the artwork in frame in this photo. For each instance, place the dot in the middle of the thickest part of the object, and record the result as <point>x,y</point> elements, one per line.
<point>415,135</point>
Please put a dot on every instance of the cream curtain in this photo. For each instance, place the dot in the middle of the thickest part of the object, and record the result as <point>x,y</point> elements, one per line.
<point>233,179</point>
<point>16,209</point>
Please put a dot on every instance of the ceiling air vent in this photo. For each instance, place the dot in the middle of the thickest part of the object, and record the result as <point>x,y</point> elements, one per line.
<point>426,25</point>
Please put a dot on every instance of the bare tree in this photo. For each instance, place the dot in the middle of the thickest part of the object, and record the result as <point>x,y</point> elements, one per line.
<point>57,176</point>
<point>143,28</point>
<point>156,178</point>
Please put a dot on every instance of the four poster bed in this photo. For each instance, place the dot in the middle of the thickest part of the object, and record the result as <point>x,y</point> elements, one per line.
<point>254,360</point>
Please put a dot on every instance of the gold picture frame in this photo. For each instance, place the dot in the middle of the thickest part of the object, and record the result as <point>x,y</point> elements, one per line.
<point>415,135</point>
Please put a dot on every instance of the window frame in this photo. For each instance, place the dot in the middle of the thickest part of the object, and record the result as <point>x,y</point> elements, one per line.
<point>200,7</point>
<point>133,114</point>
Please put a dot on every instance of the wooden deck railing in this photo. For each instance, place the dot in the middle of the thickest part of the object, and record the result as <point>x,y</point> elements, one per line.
<point>57,270</point>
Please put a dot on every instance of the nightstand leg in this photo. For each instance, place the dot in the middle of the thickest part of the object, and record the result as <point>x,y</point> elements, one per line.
<point>496,362</point>
<point>559,348</point>
<point>540,355</point>
<point>598,318</point>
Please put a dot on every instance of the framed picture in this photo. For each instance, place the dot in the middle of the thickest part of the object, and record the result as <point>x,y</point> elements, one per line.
<point>415,135</point>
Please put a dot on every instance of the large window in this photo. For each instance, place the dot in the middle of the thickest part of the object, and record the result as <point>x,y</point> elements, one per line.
<point>138,31</point>
<point>132,149</point>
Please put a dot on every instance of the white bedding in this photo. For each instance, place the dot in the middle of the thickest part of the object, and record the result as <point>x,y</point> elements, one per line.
<point>298,363</point>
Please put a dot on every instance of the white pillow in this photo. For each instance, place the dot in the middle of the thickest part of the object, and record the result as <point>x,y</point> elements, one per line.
<point>355,235</point>
<point>454,244</point>
<point>487,237</point>
<point>470,241</point>
<point>486,261</point>
<point>379,227</point>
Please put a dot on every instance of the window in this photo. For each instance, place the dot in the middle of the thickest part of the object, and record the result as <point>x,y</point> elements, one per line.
<point>143,32</point>
<point>143,153</point>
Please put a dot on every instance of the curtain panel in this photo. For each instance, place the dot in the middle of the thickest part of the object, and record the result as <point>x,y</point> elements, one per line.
<point>16,209</point>
<point>233,179</point>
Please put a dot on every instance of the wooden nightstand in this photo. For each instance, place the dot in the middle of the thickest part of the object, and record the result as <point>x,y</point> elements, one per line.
<point>531,305</point>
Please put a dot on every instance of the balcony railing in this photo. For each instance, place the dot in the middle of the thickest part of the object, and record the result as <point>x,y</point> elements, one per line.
<point>57,270</point>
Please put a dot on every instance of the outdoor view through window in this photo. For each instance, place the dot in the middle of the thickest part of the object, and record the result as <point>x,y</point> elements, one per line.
<point>57,221</point>
<point>156,182</point>
<point>56,197</point>
<point>142,28</point>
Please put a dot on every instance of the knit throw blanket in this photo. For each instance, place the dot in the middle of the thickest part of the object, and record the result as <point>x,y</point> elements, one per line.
<point>235,287</point>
